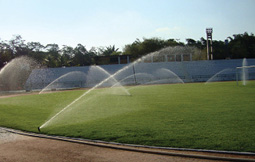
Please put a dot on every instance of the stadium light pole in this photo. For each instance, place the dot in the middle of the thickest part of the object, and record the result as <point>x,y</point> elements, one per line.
<point>209,32</point>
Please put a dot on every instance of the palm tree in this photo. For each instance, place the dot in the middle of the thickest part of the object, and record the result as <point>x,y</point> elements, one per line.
<point>111,50</point>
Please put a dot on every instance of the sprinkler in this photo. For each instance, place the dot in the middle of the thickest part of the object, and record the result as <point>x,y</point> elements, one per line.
<point>39,129</point>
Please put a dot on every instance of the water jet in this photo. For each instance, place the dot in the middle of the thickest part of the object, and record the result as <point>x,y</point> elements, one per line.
<point>13,75</point>
<point>107,80</point>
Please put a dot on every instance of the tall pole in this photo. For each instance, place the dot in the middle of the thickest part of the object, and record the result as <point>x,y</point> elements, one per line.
<point>209,43</point>
<point>207,47</point>
<point>211,50</point>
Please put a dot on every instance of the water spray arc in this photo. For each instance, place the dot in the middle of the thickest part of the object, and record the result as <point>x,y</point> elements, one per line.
<point>116,82</point>
<point>49,86</point>
<point>213,78</point>
<point>132,67</point>
<point>138,80</point>
<point>14,74</point>
<point>84,94</point>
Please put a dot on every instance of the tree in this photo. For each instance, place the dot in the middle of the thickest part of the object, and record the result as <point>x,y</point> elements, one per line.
<point>13,48</point>
<point>133,49</point>
<point>239,46</point>
<point>172,43</point>
<point>36,51</point>
<point>35,46</point>
<point>108,51</point>
<point>191,42</point>
<point>6,54</point>
<point>82,57</point>
<point>53,56</point>
<point>219,50</point>
<point>139,48</point>
<point>67,53</point>
<point>18,46</point>
<point>201,44</point>
<point>242,46</point>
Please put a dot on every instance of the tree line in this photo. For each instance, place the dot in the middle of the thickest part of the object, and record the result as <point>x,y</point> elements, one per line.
<point>51,55</point>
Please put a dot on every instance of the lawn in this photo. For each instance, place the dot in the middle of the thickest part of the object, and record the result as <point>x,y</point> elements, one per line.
<point>218,116</point>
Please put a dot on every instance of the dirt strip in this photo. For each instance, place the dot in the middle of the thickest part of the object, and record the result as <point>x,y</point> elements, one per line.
<point>14,147</point>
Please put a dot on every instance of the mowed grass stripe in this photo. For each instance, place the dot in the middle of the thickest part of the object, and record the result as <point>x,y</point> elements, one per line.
<point>217,116</point>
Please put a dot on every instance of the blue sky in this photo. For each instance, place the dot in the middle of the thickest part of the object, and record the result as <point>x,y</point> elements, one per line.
<point>120,22</point>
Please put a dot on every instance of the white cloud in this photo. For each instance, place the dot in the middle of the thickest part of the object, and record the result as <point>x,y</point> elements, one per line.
<point>168,30</point>
<point>163,30</point>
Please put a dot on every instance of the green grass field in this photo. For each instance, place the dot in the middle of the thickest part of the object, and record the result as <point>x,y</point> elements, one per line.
<point>218,116</point>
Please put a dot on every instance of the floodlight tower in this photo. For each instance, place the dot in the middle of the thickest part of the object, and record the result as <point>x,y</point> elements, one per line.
<point>209,43</point>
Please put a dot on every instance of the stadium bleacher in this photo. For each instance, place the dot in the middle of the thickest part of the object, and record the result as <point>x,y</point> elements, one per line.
<point>138,73</point>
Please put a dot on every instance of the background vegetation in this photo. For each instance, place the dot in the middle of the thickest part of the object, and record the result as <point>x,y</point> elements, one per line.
<point>51,55</point>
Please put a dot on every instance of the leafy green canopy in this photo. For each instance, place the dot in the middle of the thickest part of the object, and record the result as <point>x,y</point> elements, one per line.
<point>51,55</point>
